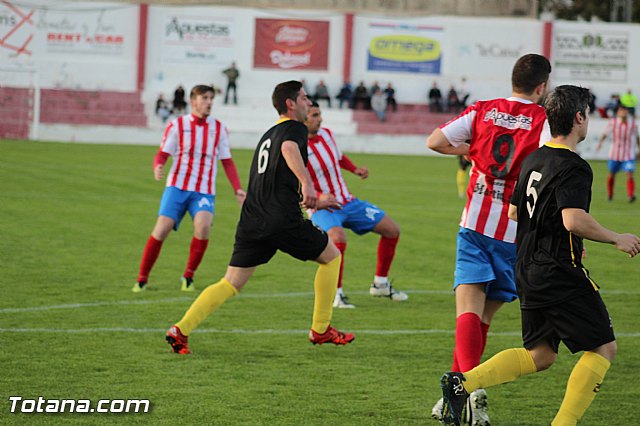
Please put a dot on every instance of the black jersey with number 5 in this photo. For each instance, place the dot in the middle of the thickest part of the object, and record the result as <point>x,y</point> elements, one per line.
<point>549,258</point>
<point>273,195</point>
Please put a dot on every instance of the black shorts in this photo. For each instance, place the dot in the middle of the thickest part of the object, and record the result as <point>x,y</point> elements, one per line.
<point>582,323</point>
<point>302,240</point>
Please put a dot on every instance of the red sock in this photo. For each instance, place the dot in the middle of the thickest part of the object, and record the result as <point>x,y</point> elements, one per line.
<point>386,251</point>
<point>196,252</point>
<point>342,247</point>
<point>149,256</point>
<point>485,331</point>
<point>631,187</point>
<point>468,341</point>
<point>610,181</point>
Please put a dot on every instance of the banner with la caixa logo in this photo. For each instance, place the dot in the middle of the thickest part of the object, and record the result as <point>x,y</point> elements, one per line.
<point>405,48</point>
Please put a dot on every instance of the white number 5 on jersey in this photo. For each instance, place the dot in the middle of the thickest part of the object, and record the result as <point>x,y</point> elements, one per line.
<point>534,178</point>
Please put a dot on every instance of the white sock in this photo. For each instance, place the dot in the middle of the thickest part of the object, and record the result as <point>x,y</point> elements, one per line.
<point>380,281</point>
<point>339,292</point>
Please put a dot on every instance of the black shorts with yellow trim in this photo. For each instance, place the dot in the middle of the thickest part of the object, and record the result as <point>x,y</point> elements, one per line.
<point>300,239</point>
<point>582,323</point>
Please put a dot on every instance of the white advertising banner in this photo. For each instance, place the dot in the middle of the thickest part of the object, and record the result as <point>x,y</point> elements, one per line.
<point>198,40</point>
<point>91,31</point>
<point>590,55</point>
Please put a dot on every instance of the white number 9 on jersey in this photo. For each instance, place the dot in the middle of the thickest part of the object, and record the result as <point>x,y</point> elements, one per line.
<point>534,177</point>
<point>263,156</point>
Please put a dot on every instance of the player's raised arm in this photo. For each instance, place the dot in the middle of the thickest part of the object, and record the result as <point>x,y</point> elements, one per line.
<point>291,154</point>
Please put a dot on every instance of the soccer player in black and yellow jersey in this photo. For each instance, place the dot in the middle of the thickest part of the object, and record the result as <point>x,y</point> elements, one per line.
<point>271,220</point>
<point>558,299</point>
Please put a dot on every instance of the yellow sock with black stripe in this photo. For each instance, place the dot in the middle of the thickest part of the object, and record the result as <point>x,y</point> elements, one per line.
<point>582,387</point>
<point>208,301</point>
<point>503,367</point>
<point>461,181</point>
<point>325,286</point>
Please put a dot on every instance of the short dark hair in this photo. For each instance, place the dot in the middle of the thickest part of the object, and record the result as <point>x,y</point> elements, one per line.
<point>562,105</point>
<point>314,104</point>
<point>284,91</point>
<point>201,89</point>
<point>528,72</point>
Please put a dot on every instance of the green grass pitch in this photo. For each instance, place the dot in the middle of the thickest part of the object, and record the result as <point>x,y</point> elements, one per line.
<point>74,219</point>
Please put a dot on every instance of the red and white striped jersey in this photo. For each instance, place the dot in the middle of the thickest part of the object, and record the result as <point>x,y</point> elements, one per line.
<point>500,133</point>
<point>324,167</point>
<point>624,133</point>
<point>195,145</point>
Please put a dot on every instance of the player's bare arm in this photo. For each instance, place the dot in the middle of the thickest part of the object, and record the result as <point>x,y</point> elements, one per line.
<point>438,142</point>
<point>240,196</point>
<point>584,225</point>
<point>291,154</point>
<point>513,212</point>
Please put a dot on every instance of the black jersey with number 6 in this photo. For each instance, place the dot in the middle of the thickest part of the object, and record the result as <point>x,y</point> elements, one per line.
<point>549,258</point>
<point>273,195</point>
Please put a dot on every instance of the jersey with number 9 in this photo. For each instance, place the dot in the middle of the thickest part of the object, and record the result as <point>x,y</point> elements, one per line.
<point>501,134</point>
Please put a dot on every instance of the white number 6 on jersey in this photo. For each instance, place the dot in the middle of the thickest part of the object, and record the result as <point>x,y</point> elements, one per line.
<point>534,177</point>
<point>263,156</point>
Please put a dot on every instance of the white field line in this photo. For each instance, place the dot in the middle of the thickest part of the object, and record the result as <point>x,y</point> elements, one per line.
<point>241,295</point>
<point>241,331</point>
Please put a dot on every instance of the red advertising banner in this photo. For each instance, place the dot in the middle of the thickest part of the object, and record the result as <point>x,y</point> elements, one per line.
<point>291,44</point>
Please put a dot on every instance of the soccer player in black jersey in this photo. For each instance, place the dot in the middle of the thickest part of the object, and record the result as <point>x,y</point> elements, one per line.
<point>272,220</point>
<point>558,299</point>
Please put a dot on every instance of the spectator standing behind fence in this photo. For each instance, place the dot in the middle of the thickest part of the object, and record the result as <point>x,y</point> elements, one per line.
<point>179,104</point>
<point>162,108</point>
<point>345,95</point>
<point>322,92</point>
<point>379,104</point>
<point>629,101</point>
<point>391,97</point>
<point>435,98</point>
<point>232,74</point>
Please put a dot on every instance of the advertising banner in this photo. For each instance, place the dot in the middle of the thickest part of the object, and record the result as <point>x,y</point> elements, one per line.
<point>591,55</point>
<point>291,44</point>
<point>405,48</point>
<point>198,40</point>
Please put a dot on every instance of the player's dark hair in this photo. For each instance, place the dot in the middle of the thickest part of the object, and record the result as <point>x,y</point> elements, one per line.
<point>201,89</point>
<point>528,72</point>
<point>284,91</point>
<point>562,105</point>
<point>314,104</point>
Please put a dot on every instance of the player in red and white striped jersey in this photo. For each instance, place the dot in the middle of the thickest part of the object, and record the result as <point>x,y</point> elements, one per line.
<point>324,163</point>
<point>496,135</point>
<point>622,156</point>
<point>195,141</point>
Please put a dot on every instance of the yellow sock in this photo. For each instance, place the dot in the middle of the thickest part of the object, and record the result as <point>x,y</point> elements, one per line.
<point>461,180</point>
<point>583,384</point>
<point>325,286</point>
<point>208,301</point>
<point>503,367</point>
